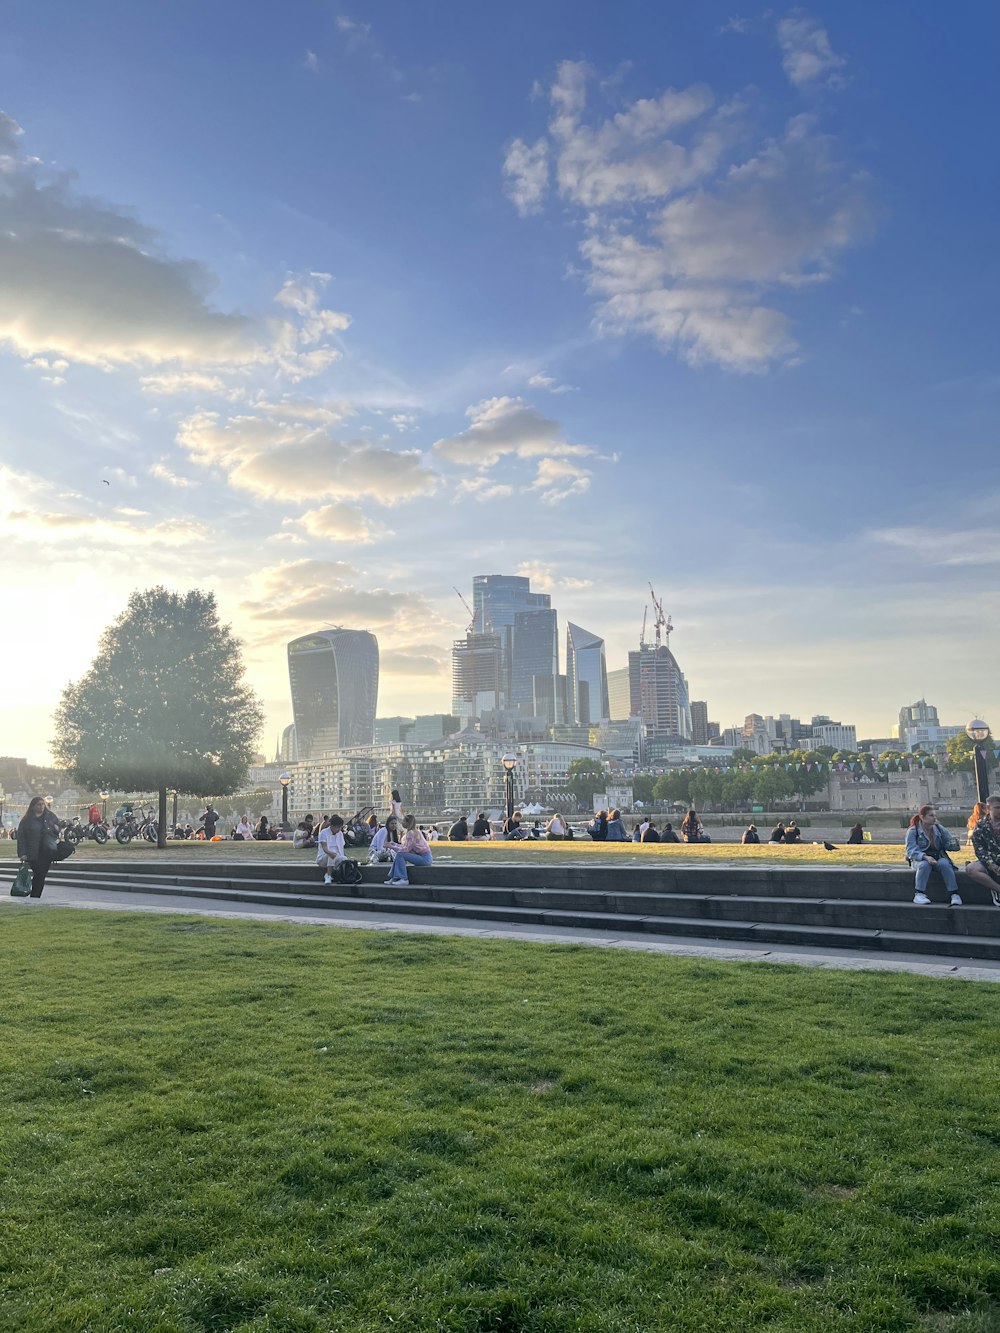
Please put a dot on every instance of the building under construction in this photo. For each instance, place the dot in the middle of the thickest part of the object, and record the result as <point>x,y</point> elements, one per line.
<point>658,691</point>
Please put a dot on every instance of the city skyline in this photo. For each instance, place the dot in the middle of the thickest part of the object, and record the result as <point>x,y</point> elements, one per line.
<point>388,297</point>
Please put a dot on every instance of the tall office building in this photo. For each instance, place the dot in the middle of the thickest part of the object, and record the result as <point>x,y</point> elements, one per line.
<point>497,599</point>
<point>534,663</point>
<point>659,693</point>
<point>476,674</point>
<point>586,676</point>
<point>699,722</point>
<point>920,714</point>
<point>288,751</point>
<point>619,698</point>
<point>334,682</point>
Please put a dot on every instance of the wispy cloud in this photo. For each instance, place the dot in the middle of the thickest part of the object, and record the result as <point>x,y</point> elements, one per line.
<point>683,231</point>
<point>807,56</point>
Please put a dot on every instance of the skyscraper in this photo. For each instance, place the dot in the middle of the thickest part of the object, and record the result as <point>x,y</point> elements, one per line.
<point>496,601</point>
<point>699,722</point>
<point>586,676</point>
<point>476,674</point>
<point>659,692</point>
<point>619,697</point>
<point>333,675</point>
<point>534,663</point>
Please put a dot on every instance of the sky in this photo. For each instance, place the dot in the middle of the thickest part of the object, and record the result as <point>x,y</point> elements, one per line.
<point>347,304</point>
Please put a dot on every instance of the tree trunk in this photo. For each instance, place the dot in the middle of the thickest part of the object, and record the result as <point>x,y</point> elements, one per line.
<point>161,822</point>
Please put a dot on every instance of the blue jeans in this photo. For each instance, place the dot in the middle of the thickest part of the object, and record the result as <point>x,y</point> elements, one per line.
<point>946,869</point>
<point>400,860</point>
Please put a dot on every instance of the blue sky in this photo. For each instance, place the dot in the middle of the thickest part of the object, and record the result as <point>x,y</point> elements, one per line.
<point>351,303</point>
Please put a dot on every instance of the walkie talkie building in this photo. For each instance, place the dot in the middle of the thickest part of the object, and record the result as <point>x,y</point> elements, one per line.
<point>333,676</point>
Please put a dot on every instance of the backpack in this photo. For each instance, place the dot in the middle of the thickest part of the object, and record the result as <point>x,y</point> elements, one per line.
<point>346,872</point>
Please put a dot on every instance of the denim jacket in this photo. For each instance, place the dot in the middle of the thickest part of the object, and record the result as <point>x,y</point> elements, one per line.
<point>918,845</point>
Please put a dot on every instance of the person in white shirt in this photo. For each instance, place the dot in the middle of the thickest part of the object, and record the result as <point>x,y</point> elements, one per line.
<point>244,829</point>
<point>556,827</point>
<point>331,847</point>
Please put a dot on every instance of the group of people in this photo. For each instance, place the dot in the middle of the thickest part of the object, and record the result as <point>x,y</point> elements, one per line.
<point>781,832</point>
<point>928,844</point>
<point>400,842</point>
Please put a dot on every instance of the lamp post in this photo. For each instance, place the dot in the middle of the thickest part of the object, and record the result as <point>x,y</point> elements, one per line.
<point>284,779</point>
<point>174,820</point>
<point>977,731</point>
<point>104,806</point>
<point>509,762</point>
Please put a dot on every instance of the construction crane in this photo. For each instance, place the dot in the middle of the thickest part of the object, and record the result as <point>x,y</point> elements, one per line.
<point>472,615</point>
<point>662,625</point>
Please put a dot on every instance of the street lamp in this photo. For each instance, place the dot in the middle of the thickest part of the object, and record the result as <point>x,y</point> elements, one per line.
<point>509,762</point>
<point>104,806</point>
<point>284,779</point>
<point>977,731</point>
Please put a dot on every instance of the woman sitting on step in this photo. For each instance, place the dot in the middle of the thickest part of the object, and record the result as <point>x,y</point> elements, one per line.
<point>927,846</point>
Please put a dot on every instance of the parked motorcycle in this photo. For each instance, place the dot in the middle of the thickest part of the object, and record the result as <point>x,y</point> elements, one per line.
<point>75,832</point>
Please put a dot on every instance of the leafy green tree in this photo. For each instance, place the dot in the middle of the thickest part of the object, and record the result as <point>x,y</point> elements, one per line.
<point>642,787</point>
<point>164,704</point>
<point>959,750</point>
<point>743,756</point>
<point>586,776</point>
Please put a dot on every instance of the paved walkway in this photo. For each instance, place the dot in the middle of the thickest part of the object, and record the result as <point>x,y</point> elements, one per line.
<point>107,900</point>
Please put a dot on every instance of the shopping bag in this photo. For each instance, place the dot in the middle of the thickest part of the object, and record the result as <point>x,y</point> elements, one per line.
<point>21,888</point>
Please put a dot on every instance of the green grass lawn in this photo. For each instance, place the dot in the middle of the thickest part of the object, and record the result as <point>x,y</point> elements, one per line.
<point>579,850</point>
<point>241,1126</point>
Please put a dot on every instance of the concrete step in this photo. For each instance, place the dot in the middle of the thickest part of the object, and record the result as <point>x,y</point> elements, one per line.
<point>923,941</point>
<point>885,885</point>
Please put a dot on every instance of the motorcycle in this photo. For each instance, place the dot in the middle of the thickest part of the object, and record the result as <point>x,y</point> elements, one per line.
<point>75,832</point>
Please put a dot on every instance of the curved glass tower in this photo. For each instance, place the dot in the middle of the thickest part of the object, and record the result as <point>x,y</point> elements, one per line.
<point>333,676</point>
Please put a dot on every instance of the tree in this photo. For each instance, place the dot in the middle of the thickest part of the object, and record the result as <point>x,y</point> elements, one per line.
<point>164,704</point>
<point>642,787</point>
<point>586,776</point>
<point>960,750</point>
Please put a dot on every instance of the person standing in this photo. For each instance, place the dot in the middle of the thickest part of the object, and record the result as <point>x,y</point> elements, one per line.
<point>210,818</point>
<point>415,851</point>
<point>927,846</point>
<point>396,806</point>
<point>37,839</point>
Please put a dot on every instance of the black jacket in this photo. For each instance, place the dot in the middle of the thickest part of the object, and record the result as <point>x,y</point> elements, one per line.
<point>481,828</point>
<point>459,831</point>
<point>33,831</point>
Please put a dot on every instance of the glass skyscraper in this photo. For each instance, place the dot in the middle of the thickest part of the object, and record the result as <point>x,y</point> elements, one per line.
<point>586,676</point>
<point>333,675</point>
<point>497,601</point>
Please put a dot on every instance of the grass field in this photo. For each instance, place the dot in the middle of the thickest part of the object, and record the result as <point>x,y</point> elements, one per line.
<point>239,1126</point>
<point>580,850</point>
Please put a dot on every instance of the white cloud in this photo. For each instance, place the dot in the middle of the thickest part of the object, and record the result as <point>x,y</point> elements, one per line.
<point>288,460</point>
<point>161,472</point>
<point>311,62</point>
<point>410,664</point>
<point>190,381</point>
<point>506,426</point>
<point>968,546</point>
<point>549,384</point>
<point>86,281</point>
<point>403,421</point>
<point>86,529</point>
<point>559,480</point>
<point>526,168</point>
<point>684,233</point>
<point>325,592</point>
<point>339,522</point>
<point>483,489</point>
<point>806,51</point>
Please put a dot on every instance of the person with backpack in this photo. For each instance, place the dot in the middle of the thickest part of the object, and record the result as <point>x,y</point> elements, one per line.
<point>751,838</point>
<point>331,847</point>
<point>927,846</point>
<point>415,851</point>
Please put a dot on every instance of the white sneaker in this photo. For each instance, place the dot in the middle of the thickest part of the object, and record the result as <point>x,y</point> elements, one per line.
<point>956,900</point>
<point>327,879</point>
<point>921,900</point>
